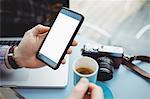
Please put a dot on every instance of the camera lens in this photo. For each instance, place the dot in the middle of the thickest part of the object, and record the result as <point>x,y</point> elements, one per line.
<point>105,68</point>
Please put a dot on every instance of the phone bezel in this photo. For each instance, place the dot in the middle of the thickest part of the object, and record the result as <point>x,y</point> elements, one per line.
<point>48,61</point>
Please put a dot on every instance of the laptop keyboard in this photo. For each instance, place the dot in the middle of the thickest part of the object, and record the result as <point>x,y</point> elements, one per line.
<point>16,42</point>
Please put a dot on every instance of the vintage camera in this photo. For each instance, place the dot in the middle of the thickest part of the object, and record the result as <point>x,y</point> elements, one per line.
<point>107,57</point>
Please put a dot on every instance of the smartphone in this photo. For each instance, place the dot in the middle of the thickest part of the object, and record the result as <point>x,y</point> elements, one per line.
<point>60,37</point>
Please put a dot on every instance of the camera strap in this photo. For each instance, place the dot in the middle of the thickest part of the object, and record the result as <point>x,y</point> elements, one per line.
<point>128,62</point>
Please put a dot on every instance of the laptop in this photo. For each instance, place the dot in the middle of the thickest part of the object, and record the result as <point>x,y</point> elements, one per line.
<point>15,20</point>
<point>44,77</point>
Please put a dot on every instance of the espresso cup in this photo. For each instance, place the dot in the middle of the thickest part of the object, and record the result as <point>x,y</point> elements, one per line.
<point>85,67</point>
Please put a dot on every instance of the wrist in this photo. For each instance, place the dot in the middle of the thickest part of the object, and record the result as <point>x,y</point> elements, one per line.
<point>17,57</point>
<point>11,58</point>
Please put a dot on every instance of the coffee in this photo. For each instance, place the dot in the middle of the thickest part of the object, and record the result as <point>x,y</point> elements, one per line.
<point>84,70</point>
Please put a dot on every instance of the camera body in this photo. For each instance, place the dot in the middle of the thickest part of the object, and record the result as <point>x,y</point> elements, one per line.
<point>107,57</point>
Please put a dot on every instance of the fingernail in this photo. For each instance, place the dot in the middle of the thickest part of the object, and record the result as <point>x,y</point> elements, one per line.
<point>84,80</point>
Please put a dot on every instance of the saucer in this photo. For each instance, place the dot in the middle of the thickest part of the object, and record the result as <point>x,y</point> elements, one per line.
<point>107,92</point>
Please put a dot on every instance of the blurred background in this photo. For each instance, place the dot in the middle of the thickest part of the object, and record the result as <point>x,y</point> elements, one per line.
<point>17,16</point>
<point>124,23</point>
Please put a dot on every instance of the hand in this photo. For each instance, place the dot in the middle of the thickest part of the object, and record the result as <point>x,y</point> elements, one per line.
<point>25,54</point>
<point>79,92</point>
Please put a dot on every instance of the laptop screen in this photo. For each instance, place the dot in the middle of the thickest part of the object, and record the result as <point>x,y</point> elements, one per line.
<point>18,16</point>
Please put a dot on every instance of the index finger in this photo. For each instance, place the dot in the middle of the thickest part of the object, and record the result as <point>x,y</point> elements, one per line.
<point>74,43</point>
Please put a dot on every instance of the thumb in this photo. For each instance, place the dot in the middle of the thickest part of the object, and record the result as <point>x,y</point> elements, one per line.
<point>80,89</point>
<point>40,29</point>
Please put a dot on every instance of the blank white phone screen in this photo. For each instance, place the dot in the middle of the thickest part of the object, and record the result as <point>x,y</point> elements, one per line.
<point>59,37</point>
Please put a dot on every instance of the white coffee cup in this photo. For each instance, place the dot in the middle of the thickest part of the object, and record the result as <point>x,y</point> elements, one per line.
<point>85,62</point>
